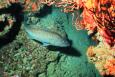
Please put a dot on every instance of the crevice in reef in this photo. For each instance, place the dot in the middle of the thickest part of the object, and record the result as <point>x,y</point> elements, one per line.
<point>14,10</point>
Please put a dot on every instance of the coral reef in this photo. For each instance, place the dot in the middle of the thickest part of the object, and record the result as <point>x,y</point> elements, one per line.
<point>6,22</point>
<point>29,5</point>
<point>25,58</point>
<point>95,16</point>
<point>103,58</point>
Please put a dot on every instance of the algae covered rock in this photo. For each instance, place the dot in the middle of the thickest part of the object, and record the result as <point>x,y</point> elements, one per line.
<point>25,57</point>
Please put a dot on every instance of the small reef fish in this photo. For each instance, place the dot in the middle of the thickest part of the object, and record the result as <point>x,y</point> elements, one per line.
<point>46,37</point>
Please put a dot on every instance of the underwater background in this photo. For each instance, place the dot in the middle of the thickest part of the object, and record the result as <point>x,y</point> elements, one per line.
<point>24,57</point>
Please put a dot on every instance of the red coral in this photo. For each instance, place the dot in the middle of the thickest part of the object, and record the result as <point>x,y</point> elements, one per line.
<point>97,14</point>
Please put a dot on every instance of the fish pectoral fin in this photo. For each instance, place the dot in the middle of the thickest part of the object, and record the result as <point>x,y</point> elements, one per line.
<point>45,44</point>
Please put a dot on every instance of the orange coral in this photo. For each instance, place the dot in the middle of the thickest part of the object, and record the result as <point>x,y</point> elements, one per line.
<point>90,52</point>
<point>100,15</point>
<point>103,59</point>
<point>97,15</point>
<point>105,21</point>
<point>110,66</point>
<point>34,7</point>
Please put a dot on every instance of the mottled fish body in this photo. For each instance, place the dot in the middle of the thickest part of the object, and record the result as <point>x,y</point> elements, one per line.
<point>46,37</point>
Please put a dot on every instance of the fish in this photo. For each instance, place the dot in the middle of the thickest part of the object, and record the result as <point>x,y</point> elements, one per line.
<point>46,37</point>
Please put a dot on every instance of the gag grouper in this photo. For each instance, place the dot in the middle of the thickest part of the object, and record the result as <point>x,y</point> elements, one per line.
<point>46,37</point>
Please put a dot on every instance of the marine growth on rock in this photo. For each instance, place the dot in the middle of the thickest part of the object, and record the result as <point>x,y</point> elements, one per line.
<point>95,16</point>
